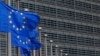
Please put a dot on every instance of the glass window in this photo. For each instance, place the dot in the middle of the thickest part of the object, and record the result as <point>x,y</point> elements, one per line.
<point>82,6</point>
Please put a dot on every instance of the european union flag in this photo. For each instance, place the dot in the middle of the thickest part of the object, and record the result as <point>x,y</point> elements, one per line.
<point>22,26</point>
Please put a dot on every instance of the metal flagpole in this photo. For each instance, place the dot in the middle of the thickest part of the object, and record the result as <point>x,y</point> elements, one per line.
<point>18,4</point>
<point>61,52</point>
<point>18,49</point>
<point>9,37</point>
<point>34,52</point>
<point>66,54</point>
<point>45,41</point>
<point>51,53</point>
<point>9,2</point>
<point>9,44</point>
<point>56,50</point>
<point>40,51</point>
<point>6,1</point>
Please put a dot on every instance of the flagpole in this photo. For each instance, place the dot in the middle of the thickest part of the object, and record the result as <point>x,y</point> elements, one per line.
<point>40,51</point>
<point>34,53</point>
<point>9,37</point>
<point>18,49</point>
<point>18,4</point>
<point>66,54</point>
<point>45,43</point>
<point>56,50</point>
<point>9,44</point>
<point>61,52</point>
<point>9,2</point>
<point>51,53</point>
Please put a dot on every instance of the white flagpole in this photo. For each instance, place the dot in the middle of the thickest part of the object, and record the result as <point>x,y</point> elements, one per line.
<point>51,41</point>
<point>56,50</point>
<point>61,52</point>
<point>18,49</point>
<point>9,37</point>
<point>18,4</point>
<point>34,53</point>
<point>66,54</point>
<point>9,2</point>
<point>45,44</point>
<point>40,51</point>
<point>9,44</point>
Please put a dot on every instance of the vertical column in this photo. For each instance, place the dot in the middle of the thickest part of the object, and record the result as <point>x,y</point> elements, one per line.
<point>9,44</point>
<point>66,54</point>
<point>56,50</point>
<point>61,52</point>
<point>45,44</point>
<point>9,2</point>
<point>17,2</point>
<point>40,51</point>
<point>9,36</point>
<point>34,53</point>
<point>51,53</point>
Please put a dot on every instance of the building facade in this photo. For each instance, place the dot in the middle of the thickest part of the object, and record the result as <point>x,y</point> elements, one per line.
<point>74,25</point>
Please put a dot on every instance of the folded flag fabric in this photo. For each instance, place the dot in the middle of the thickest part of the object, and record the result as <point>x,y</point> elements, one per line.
<point>22,26</point>
<point>25,52</point>
<point>32,23</point>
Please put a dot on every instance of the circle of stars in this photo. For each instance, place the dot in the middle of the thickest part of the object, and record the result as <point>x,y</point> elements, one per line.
<point>18,28</point>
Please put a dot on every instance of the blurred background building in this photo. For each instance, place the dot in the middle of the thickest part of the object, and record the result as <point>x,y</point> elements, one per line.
<point>73,25</point>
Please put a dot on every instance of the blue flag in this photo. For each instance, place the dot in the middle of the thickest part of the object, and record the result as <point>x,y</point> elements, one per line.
<point>22,26</point>
<point>25,52</point>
